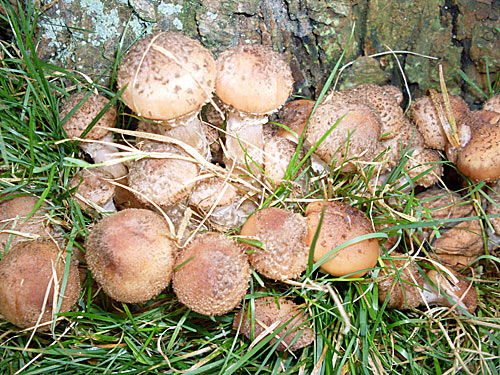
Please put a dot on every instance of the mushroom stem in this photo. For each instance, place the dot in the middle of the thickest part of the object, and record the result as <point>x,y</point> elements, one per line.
<point>102,152</point>
<point>245,139</point>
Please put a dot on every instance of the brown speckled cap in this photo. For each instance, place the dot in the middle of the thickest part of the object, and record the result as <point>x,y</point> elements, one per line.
<point>253,79</point>
<point>267,312</point>
<point>26,271</point>
<point>165,181</point>
<point>212,274</point>
<point>94,186</point>
<point>130,255</point>
<point>426,117</point>
<point>356,122</point>
<point>167,75</point>
<point>493,104</point>
<point>283,234</point>
<point>85,114</point>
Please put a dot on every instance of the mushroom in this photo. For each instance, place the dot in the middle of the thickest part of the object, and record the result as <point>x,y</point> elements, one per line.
<point>130,255</point>
<point>284,252</point>
<point>385,101</point>
<point>165,176</point>
<point>167,77</point>
<point>268,316</point>
<point>87,110</point>
<point>429,122</point>
<point>211,275</point>
<point>341,223</point>
<point>353,130</point>
<point>455,242</point>
<point>20,218</point>
<point>404,287</point>
<point>253,81</point>
<point>92,188</point>
<point>32,275</point>
<point>478,155</point>
<point>294,116</point>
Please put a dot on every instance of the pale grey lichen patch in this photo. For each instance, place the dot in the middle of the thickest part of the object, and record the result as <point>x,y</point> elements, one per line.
<point>177,23</point>
<point>169,9</point>
<point>107,22</point>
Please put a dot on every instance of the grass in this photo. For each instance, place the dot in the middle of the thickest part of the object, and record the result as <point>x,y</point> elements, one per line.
<point>162,336</point>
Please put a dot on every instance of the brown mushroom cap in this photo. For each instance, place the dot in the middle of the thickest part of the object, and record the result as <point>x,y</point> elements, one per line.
<point>167,75</point>
<point>212,190</point>
<point>278,153</point>
<point>384,103</point>
<point>86,113</point>
<point>26,272</point>
<point>253,79</point>
<point>341,223</point>
<point>267,312</point>
<point>402,285</point>
<point>212,274</point>
<point>294,115</point>
<point>424,160</point>
<point>479,158</point>
<point>459,238</point>
<point>130,255</point>
<point>165,181</point>
<point>283,234</point>
<point>356,134</point>
<point>426,117</point>
<point>94,186</point>
<point>13,214</point>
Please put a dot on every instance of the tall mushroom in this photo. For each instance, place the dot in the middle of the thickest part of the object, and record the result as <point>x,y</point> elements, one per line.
<point>253,81</point>
<point>167,77</point>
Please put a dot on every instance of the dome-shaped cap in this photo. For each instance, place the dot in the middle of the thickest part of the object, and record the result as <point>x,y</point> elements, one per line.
<point>253,79</point>
<point>167,75</point>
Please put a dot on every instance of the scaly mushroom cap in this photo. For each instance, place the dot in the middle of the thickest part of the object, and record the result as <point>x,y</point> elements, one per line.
<point>94,186</point>
<point>26,272</point>
<point>394,92</point>
<point>253,79</point>
<point>426,117</point>
<point>479,158</point>
<point>164,181</point>
<point>355,136</point>
<point>267,312</point>
<point>85,114</point>
<point>295,115</point>
<point>212,274</point>
<point>130,255</point>
<point>13,214</point>
<point>492,104</point>
<point>402,286</point>
<point>283,234</point>
<point>341,223</point>
<point>385,104</point>
<point>212,191</point>
<point>278,153</point>
<point>167,75</point>
<point>424,160</point>
<point>458,238</point>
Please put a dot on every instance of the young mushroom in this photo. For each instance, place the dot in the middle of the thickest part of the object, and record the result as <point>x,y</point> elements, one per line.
<point>88,109</point>
<point>167,77</point>
<point>20,219</point>
<point>341,223</point>
<point>92,189</point>
<point>130,255</point>
<point>284,252</point>
<point>212,274</point>
<point>32,278</point>
<point>268,316</point>
<point>253,81</point>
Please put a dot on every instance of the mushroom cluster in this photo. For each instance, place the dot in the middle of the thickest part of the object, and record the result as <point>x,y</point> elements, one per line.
<point>166,79</point>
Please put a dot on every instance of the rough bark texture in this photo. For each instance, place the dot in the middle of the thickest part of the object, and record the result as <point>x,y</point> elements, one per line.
<point>86,34</point>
